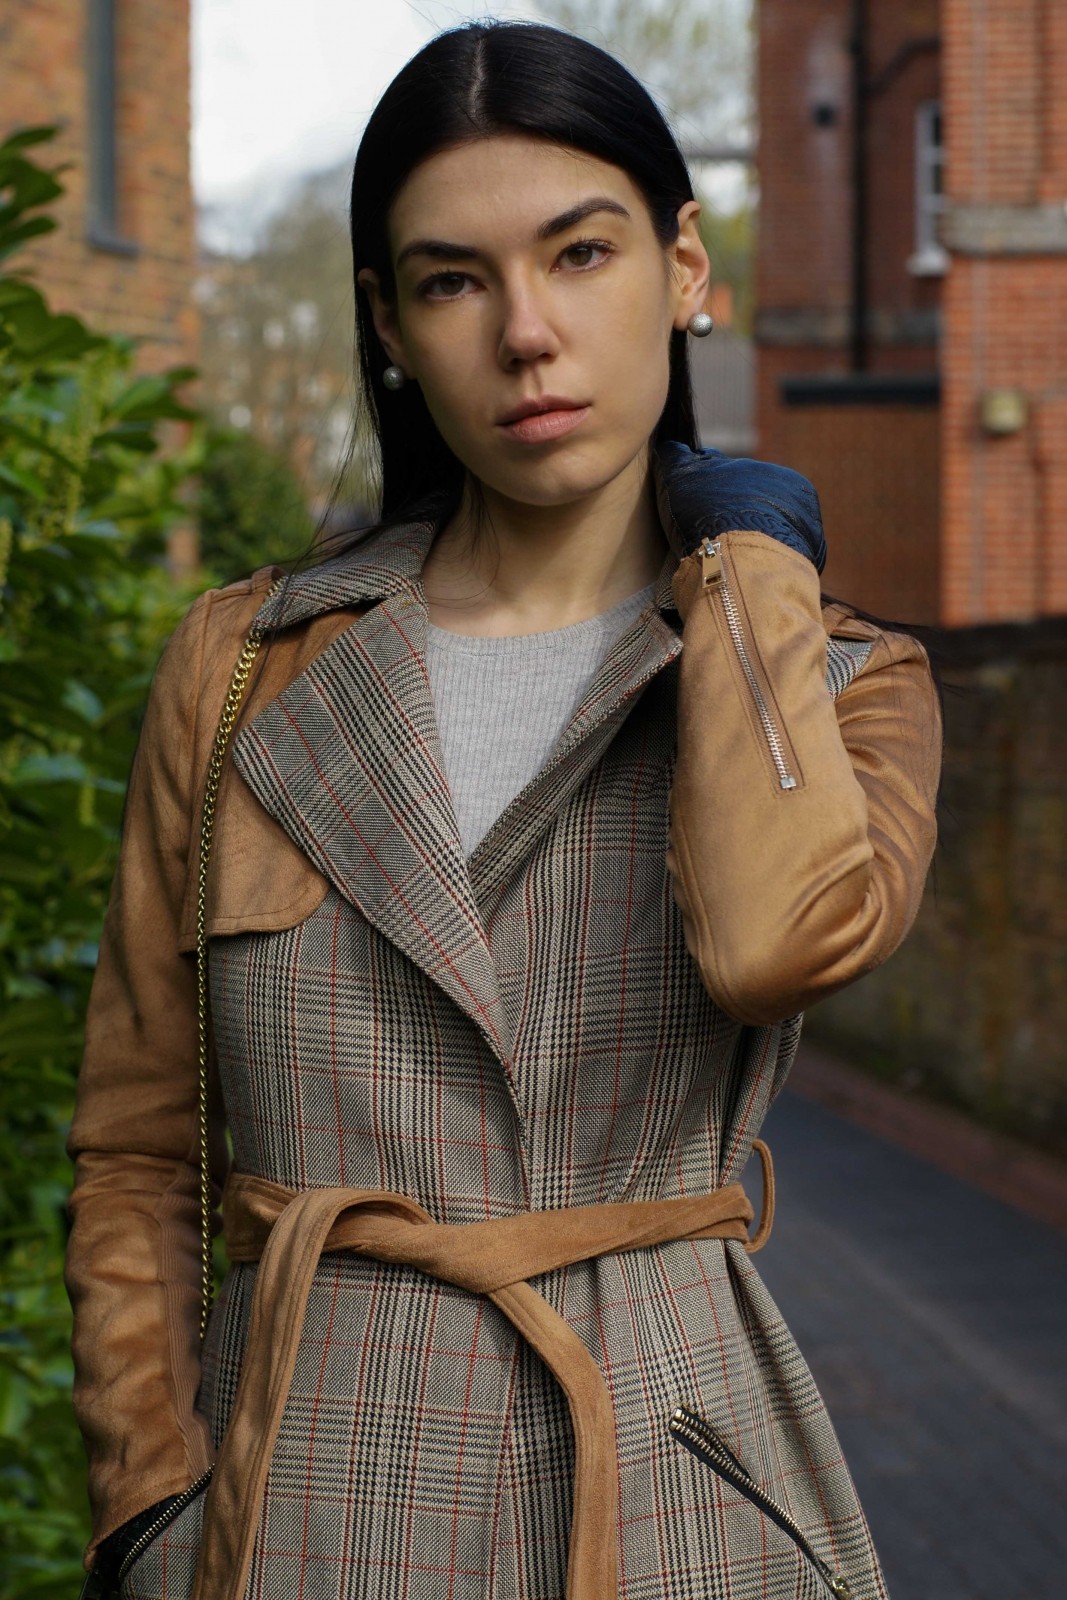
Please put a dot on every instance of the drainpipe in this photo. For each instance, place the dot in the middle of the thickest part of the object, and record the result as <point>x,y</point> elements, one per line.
<point>858,310</point>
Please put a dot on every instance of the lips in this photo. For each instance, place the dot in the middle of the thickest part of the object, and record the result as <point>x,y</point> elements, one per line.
<point>549,417</point>
<point>544,402</point>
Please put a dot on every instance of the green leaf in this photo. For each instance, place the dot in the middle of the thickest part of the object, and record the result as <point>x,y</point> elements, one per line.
<point>150,398</point>
<point>27,184</point>
<point>57,768</point>
<point>12,238</point>
<point>23,138</point>
<point>14,292</point>
<point>99,528</point>
<point>37,333</point>
<point>22,478</point>
<point>16,431</point>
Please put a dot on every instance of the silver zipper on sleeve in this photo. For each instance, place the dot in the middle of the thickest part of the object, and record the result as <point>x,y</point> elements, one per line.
<point>154,1529</point>
<point>713,576</point>
<point>699,1439</point>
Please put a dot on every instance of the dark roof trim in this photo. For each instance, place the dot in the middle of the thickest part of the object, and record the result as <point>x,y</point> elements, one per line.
<point>862,389</point>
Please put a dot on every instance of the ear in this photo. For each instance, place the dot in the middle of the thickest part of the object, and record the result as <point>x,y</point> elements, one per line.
<point>385,322</point>
<point>690,265</point>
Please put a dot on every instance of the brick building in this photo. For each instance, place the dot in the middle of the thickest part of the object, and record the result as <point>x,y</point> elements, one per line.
<point>114,76</point>
<point>911,342</point>
<point>1004,350</point>
<point>912,291</point>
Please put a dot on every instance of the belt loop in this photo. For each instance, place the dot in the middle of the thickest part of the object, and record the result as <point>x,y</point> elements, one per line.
<point>766,1221</point>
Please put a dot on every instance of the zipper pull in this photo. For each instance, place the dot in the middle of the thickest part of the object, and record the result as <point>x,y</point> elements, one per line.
<point>711,572</point>
<point>840,1586</point>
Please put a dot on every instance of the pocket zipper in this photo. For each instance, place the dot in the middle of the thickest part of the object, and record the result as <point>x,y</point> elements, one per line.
<point>154,1529</point>
<point>698,1438</point>
<point>713,576</point>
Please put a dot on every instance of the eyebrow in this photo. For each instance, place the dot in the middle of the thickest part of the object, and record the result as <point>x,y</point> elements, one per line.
<point>442,250</point>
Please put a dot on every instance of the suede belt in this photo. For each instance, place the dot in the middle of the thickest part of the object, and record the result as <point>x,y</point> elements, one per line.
<point>287,1232</point>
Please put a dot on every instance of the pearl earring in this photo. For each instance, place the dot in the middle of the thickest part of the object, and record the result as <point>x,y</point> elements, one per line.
<point>394,377</point>
<point>700,324</point>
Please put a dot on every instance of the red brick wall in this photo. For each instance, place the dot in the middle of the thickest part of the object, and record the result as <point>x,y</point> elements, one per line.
<point>804,170</point>
<point>805,189</point>
<point>878,483</point>
<point>43,78</point>
<point>1004,500</point>
<point>891,166</point>
<point>777,362</point>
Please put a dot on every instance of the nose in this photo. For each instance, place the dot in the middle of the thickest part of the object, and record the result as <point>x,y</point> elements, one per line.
<point>527,332</point>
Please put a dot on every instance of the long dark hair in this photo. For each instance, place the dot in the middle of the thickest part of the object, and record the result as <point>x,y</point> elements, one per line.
<point>469,83</point>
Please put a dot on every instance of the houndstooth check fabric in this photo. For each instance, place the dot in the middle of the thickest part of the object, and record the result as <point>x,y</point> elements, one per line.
<point>522,1030</point>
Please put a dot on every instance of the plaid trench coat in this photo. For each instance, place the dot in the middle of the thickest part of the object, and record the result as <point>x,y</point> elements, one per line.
<point>524,1029</point>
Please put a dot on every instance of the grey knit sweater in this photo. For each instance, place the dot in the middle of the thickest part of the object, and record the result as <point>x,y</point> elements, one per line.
<point>502,704</point>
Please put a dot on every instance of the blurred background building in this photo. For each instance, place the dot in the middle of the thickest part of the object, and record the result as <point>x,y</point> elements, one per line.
<point>912,290</point>
<point>114,78</point>
<point>909,271</point>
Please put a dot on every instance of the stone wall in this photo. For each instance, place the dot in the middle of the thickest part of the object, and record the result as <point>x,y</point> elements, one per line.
<point>973,1007</point>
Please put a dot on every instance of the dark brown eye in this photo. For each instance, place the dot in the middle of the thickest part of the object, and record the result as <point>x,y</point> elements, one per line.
<point>589,250</point>
<point>450,284</point>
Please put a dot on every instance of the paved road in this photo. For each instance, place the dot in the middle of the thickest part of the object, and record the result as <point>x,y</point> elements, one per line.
<point>935,1321</point>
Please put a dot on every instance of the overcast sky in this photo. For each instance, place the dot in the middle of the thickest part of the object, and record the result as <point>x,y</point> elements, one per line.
<point>284,87</point>
<point>281,88</point>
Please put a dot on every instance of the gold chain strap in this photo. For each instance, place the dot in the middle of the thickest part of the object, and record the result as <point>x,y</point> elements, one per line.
<point>231,705</point>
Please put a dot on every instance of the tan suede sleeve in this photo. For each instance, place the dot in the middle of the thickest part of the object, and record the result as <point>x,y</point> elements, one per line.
<point>789,893</point>
<point>132,1267</point>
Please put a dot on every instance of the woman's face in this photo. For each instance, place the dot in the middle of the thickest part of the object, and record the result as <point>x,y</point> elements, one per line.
<point>525,273</point>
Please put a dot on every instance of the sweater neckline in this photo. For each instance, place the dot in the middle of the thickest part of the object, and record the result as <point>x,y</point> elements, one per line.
<point>545,639</point>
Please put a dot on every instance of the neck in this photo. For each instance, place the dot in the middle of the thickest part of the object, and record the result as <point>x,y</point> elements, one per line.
<point>533,568</point>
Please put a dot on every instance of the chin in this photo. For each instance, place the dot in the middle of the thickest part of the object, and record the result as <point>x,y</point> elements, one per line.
<point>556,480</point>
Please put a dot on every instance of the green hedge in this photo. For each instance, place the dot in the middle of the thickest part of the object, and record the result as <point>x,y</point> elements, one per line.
<point>86,499</point>
<point>249,505</point>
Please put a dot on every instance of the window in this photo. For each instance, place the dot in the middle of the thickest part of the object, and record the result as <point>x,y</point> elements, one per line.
<point>930,257</point>
<point>104,230</point>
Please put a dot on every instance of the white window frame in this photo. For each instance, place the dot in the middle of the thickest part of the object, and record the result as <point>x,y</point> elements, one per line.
<point>930,258</point>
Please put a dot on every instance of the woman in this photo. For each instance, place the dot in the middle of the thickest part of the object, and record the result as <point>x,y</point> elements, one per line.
<point>457,961</point>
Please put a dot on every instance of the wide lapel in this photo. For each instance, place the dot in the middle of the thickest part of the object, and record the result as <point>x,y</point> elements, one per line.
<point>347,760</point>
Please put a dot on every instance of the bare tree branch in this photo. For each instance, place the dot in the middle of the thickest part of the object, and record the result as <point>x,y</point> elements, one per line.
<point>695,56</point>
